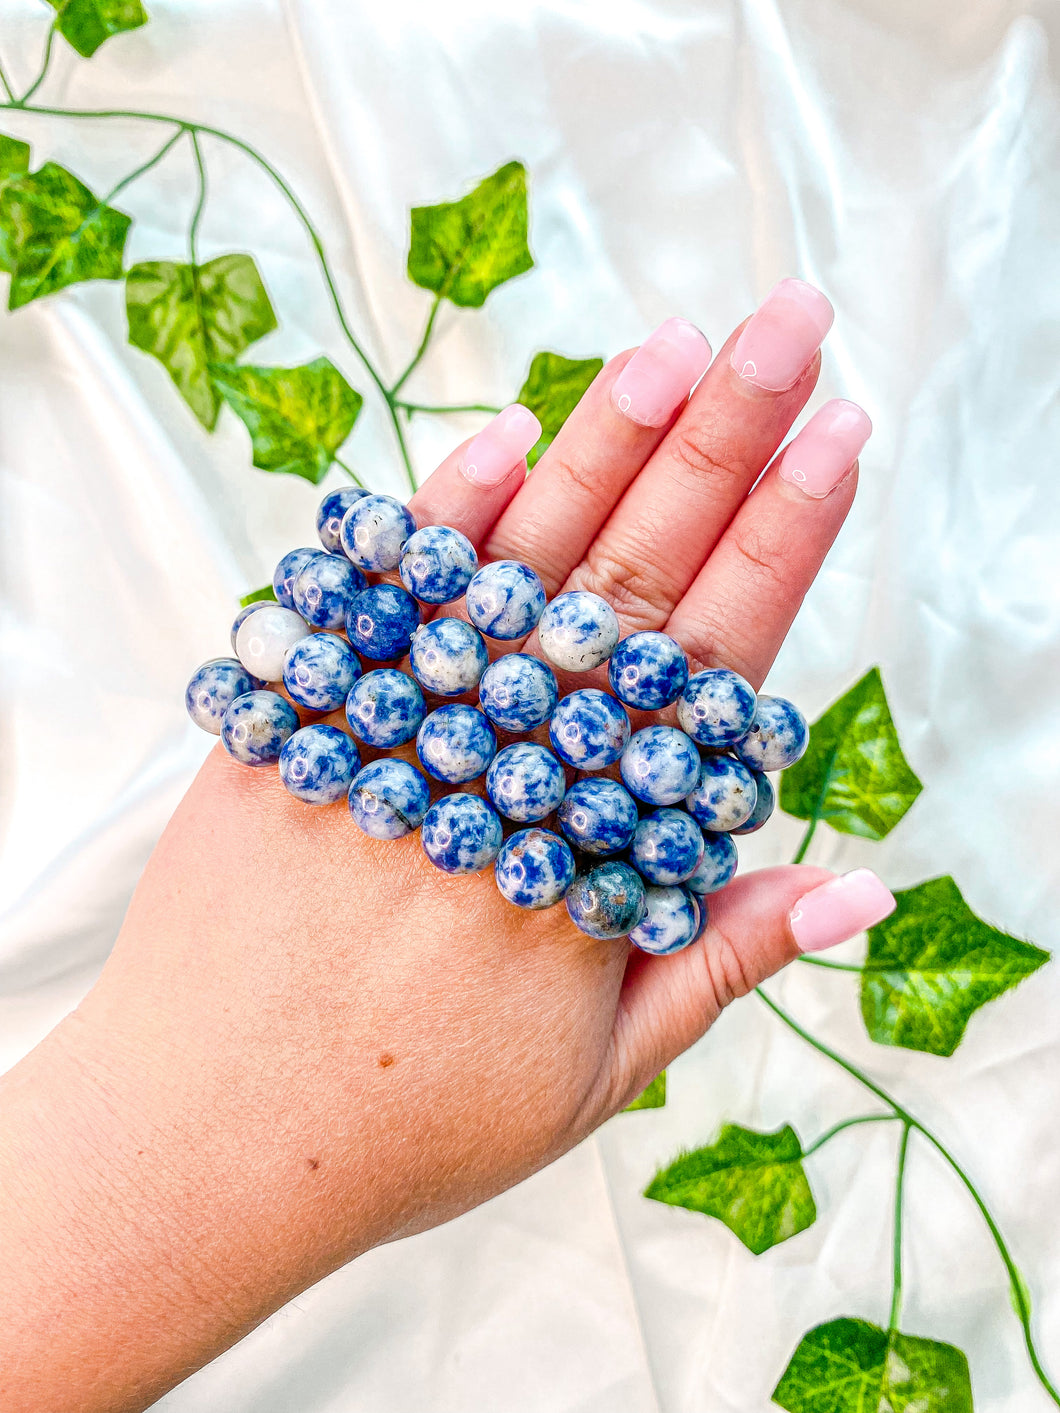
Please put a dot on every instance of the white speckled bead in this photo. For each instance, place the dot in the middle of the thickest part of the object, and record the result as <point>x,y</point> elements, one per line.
<point>578,631</point>
<point>447,656</point>
<point>265,638</point>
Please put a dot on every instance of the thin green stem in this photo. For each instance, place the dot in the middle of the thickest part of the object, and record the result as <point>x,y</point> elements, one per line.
<point>349,471</point>
<point>424,341</point>
<point>144,167</point>
<point>200,204</point>
<point>830,966</point>
<point>800,852</point>
<point>43,68</point>
<point>14,103</point>
<point>899,1185</point>
<point>848,1123</point>
<point>411,407</point>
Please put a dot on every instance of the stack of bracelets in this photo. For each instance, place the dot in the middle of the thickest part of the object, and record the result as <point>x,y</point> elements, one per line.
<point>636,858</point>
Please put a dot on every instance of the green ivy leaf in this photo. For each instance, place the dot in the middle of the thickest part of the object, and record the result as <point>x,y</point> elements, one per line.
<point>14,162</point>
<point>850,1366</point>
<point>931,964</point>
<point>297,417</point>
<point>551,391</point>
<point>854,774</point>
<point>463,249</point>
<point>189,316</point>
<point>85,24</point>
<point>56,233</point>
<point>753,1182</point>
<point>654,1097</point>
<point>265,595</point>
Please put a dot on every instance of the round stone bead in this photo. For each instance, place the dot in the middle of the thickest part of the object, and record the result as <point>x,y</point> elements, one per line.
<point>456,743</point>
<point>213,688</point>
<point>648,671</point>
<point>608,901</point>
<point>578,631</point>
<point>717,865</point>
<point>667,847</point>
<point>589,729</point>
<point>388,798</point>
<point>265,638</point>
<point>317,764</point>
<point>716,707</point>
<point>660,765</point>
<point>242,616</point>
<point>287,571</point>
<point>765,803</point>
<point>671,921</point>
<point>447,656</point>
<point>381,621</point>
<point>256,727</point>
<point>518,692</point>
<point>319,671</point>
<point>534,869</point>
<point>437,564</point>
<point>324,588</point>
<point>704,913</point>
<point>462,834</point>
<point>330,514</point>
<point>525,782</point>
<point>385,708</point>
<point>374,530</point>
<point>598,816</point>
<point>777,737</point>
<point>724,795</point>
<point>505,599</point>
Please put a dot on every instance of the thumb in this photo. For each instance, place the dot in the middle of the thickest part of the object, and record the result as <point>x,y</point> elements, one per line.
<point>755,926</point>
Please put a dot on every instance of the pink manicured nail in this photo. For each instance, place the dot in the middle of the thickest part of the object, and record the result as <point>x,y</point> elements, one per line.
<point>839,910</point>
<point>826,448</point>
<point>782,336</point>
<point>661,373</point>
<point>500,446</point>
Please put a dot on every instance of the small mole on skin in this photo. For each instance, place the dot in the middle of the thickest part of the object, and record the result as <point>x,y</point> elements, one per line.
<point>313,1163</point>
<point>385,1060</point>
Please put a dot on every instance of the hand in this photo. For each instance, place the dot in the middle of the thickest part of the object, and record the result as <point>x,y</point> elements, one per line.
<point>307,1042</point>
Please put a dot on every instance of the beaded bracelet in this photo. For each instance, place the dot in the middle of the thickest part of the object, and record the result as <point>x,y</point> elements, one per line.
<point>637,858</point>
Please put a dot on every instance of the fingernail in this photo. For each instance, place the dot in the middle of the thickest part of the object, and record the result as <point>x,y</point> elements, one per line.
<point>500,446</point>
<point>839,910</point>
<point>661,373</point>
<point>826,448</point>
<point>778,343</point>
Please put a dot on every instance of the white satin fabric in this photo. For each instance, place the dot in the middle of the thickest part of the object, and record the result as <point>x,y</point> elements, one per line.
<point>683,156</point>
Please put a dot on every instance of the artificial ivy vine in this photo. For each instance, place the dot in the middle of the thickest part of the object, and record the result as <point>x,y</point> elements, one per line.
<point>929,966</point>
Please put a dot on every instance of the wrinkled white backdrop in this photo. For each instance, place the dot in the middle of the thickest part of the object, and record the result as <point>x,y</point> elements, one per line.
<point>684,154</point>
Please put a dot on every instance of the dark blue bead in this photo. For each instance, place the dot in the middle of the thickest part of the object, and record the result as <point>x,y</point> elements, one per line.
<point>598,816</point>
<point>525,782</point>
<point>671,921</point>
<point>648,671</point>
<point>534,869</point>
<point>660,765</point>
<point>717,865</point>
<point>287,571</point>
<point>765,803</point>
<point>608,901</point>
<point>317,764</point>
<point>388,798</point>
<point>456,743</point>
<point>518,692</point>
<point>589,729</point>
<point>213,688</point>
<point>330,515</point>
<point>505,599</point>
<point>667,847</point>
<point>381,621</point>
<point>461,834</point>
<point>777,737</point>
<point>385,708</point>
<point>724,795</point>
<point>324,588</point>
<point>716,708</point>
<point>319,671</point>
<point>256,727</point>
<point>437,564</point>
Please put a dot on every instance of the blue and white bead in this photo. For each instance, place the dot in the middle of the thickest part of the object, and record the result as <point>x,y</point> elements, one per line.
<point>534,869</point>
<point>704,913</point>
<point>589,729</point>
<point>671,921</point>
<point>374,530</point>
<point>437,564</point>
<point>716,867</point>
<point>287,571</point>
<point>667,847</point>
<point>257,726</point>
<point>317,764</point>
<point>242,616</point>
<point>456,743</point>
<point>462,834</point>
<point>716,707</point>
<point>265,638</point>
<point>319,671</point>
<point>765,803</point>
<point>388,798</point>
<point>518,692</point>
<point>213,688</point>
<point>525,782</point>
<point>505,599</point>
<point>778,735</point>
<point>332,511</point>
<point>724,795</point>
<point>448,656</point>
<point>381,621</point>
<point>608,901</point>
<point>385,708</point>
<point>660,765</point>
<point>648,671</point>
<point>324,588</point>
<point>598,816</point>
<point>578,631</point>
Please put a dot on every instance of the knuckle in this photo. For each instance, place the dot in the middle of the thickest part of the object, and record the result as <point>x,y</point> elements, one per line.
<point>695,452</point>
<point>630,587</point>
<point>726,970</point>
<point>761,561</point>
